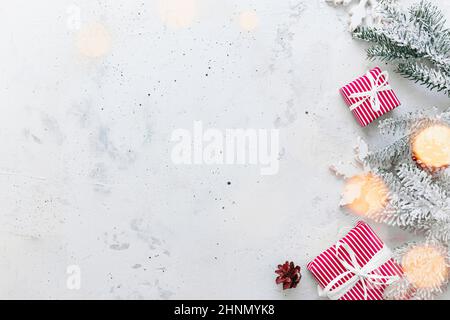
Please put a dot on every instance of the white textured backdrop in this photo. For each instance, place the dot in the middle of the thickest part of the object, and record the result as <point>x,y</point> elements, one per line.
<point>90,92</point>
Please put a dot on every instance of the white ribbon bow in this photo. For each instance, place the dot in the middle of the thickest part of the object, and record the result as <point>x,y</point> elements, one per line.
<point>372,94</point>
<point>360,273</point>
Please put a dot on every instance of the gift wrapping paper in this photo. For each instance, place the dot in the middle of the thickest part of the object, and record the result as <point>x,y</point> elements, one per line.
<point>365,113</point>
<point>365,243</point>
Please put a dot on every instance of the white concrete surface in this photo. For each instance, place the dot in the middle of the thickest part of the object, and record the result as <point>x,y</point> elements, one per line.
<point>86,176</point>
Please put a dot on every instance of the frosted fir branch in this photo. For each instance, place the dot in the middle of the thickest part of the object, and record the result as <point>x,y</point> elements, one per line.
<point>389,156</point>
<point>444,116</point>
<point>443,179</point>
<point>407,125</point>
<point>395,213</point>
<point>418,196</point>
<point>417,42</point>
<point>372,35</point>
<point>431,21</point>
<point>390,11</point>
<point>402,124</point>
<point>393,43</point>
<point>418,31</point>
<point>428,16</point>
<point>388,53</point>
<point>432,78</point>
<point>415,221</point>
<point>385,48</point>
<point>416,202</point>
<point>402,214</point>
<point>415,39</point>
<point>440,231</point>
<point>422,187</point>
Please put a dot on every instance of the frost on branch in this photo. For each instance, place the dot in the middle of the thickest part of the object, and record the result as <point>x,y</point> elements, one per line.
<point>418,199</point>
<point>416,40</point>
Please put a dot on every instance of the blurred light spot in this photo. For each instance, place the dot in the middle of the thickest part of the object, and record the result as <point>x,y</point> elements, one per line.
<point>93,40</point>
<point>365,195</point>
<point>177,14</point>
<point>248,20</point>
<point>425,266</point>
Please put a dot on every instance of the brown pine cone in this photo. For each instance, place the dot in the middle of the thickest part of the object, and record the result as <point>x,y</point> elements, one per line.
<point>288,274</point>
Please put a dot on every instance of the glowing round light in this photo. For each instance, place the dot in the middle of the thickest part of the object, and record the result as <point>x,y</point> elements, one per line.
<point>425,266</point>
<point>177,13</point>
<point>365,195</point>
<point>431,147</point>
<point>93,41</point>
<point>248,20</point>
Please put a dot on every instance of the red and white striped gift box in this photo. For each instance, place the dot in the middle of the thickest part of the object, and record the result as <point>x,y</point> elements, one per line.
<point>364,111</point>
<point>365,244</point>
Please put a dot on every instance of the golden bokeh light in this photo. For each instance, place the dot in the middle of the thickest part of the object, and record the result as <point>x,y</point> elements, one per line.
<point>425,266</point>
<point>365,195</point>
<point>93,40</point>
<point>431,147</point>
<point>248,20</point>
<point>177,14</point>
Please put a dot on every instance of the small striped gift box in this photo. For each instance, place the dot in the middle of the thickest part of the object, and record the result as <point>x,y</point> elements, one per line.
<point>370,96</point>
<point>357,267</point>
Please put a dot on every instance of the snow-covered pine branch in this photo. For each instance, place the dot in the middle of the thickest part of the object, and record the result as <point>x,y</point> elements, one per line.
<point>419,200</point>
<point>416,40</point>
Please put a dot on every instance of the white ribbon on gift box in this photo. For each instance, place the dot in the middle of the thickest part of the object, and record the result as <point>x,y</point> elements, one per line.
<point>372,94</point>
<point>360,273</point>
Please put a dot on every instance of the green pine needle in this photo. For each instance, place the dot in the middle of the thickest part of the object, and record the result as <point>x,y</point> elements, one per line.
<point>415,40</point>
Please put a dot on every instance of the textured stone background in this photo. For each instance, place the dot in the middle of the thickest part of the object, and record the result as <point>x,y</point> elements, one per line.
<point>88,104</point>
